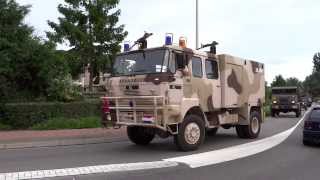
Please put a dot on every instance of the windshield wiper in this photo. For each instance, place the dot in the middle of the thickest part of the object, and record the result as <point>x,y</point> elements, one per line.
<point>141,70</point>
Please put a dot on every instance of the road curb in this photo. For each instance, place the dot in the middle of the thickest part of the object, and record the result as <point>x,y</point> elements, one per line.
<point>59,142</point>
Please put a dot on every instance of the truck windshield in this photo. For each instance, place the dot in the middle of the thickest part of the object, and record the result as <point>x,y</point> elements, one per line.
<point>142,62</point>
<point>284,91</point>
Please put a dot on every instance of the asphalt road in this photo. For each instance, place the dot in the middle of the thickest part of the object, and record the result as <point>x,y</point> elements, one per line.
<point>289,160</point>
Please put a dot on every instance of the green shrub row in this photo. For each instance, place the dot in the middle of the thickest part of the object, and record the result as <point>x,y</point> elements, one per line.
<point>267,110</point>
<point>26,115</point>
<point>64,123</point>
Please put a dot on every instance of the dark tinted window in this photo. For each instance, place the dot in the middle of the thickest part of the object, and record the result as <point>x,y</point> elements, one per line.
<point>212,69</point>
<point>180,60</point>
<point>196,67</point>
<point>172,65</point>
<point>315,115</point>
<point>284,91</point>
<point>147,62</point>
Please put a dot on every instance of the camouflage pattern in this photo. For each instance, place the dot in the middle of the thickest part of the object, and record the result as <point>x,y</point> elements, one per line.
<point>240,86</point>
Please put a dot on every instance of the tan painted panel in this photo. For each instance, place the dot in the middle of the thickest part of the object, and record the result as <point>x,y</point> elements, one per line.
<point>242,81</point>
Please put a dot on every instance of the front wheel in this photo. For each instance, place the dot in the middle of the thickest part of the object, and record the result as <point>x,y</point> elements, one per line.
<point>140,135</point>
<point>252,130</point>
<point>298,113</point>
<point>191,133</point>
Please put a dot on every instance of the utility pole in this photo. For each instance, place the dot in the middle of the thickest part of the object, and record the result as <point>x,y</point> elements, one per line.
<point>197,24</point>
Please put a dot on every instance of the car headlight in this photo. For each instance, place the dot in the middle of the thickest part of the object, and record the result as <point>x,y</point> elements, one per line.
<point>293,102</point>
<point>274,102</point>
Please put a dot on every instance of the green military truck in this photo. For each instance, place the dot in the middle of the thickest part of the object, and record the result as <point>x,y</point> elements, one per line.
<point>285,99</point>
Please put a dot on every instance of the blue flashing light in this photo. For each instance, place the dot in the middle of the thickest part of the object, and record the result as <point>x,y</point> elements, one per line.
<point>169,37</point>
<point>126,47</point>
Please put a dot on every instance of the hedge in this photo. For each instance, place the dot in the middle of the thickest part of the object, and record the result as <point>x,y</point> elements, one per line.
<point>26,115</point>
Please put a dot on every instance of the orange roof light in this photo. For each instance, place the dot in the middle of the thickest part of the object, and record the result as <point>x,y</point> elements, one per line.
<point>183,42</point>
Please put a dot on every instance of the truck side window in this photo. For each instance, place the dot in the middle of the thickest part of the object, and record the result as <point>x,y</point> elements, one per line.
<point>196,67</point>
<point>172,65</point>
<point>180,60</point>
<point>212,69</point>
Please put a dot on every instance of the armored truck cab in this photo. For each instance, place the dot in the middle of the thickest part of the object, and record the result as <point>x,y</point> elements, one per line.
<point>184,93</point>
<point>285,99</point>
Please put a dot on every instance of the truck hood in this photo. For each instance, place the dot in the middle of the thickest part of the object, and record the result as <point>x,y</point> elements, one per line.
<point>139,85</point>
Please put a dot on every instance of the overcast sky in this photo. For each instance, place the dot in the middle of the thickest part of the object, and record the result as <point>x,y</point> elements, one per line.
<point>283,34</point>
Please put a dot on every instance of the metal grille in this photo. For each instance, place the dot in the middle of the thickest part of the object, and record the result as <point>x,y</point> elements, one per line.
<point>284,100</point>
<point>133,110</point>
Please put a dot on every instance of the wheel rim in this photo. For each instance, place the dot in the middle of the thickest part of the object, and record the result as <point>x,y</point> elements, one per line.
<point>255,125</point>
<point>192,133</point>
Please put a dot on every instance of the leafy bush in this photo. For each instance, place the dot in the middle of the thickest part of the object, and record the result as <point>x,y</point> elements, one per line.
<point>65,123</point>
<point>25,115</point>
<point>267,110</point>
<point>5,127</point>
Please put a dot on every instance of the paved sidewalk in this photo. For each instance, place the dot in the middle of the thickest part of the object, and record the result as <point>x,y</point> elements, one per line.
<point>28,139</point>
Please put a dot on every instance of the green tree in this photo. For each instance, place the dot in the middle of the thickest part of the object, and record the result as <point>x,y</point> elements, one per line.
<point>278,81</point>
<point>29,67</point>
<point>312,82</point>
<point>292,81</point>
<point>13,35</point>
<point>316,62</point>
<point>90,28</point>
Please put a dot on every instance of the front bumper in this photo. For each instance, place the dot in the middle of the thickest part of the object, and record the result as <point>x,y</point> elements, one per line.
<point>311,136</point>
<point>148,111</point>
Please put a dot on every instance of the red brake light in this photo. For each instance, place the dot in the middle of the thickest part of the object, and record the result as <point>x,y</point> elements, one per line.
<point>105,105</point>
<point>307,125</point>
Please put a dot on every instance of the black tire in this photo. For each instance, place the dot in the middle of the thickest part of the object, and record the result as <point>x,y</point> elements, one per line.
<point>226,126</point>
<point>212,132</point>
<point>298,113</point>
<point>180,139</point>
<point>247,131</point>
<point>307,143</point>
<point>140,135</point>
<point>240,131</point>
<point>273,113</point>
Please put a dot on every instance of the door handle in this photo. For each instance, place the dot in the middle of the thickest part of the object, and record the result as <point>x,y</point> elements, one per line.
<point>218,86</point>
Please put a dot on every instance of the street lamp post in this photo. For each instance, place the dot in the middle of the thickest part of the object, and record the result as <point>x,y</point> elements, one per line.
<point>197,24</point>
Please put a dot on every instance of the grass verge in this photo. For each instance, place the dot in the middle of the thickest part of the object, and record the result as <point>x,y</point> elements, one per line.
<point>67,123</point>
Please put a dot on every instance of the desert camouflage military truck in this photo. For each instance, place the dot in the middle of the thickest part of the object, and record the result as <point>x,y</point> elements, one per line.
<point>184,93</point>
<point>285,99</point>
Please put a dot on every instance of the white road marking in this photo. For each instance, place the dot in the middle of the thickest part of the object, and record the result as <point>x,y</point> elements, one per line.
<point>87,170</point>
<point>234,152</point>
<point>194,161</point>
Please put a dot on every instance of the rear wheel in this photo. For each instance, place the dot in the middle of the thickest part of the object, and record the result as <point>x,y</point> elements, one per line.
<point>140,135</point>
<point>252,130</point>
<point>191,133</point>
